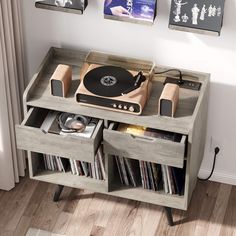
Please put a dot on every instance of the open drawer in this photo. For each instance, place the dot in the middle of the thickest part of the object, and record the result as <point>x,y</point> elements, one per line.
<point>162,151</point>
<point>30,137</point>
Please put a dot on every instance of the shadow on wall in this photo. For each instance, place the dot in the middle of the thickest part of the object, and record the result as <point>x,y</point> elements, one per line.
<point>221,126</point>
<point>228,33</point>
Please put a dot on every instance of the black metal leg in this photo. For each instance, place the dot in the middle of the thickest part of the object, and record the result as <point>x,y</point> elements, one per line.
<point>169,216</point>
<point>58,193</point>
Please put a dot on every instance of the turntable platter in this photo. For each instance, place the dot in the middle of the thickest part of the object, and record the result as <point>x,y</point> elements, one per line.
<point>108,81</point>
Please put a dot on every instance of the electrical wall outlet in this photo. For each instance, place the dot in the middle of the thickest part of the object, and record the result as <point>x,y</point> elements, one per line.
<point>213,144</point>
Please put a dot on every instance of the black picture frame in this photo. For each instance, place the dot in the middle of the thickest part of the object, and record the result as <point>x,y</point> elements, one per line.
<point>198,16</point>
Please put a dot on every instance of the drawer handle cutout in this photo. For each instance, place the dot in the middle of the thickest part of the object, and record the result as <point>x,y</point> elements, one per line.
<point>147,139</point>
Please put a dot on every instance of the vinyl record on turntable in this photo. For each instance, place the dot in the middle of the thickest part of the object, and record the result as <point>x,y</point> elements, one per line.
<point>108,81</point>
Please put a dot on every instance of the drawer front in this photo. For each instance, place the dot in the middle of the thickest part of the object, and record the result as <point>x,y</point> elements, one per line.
<point>148,149</point>
<point>34,139</point>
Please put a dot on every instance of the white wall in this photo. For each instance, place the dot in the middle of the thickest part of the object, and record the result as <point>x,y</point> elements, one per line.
<point>216,55</point>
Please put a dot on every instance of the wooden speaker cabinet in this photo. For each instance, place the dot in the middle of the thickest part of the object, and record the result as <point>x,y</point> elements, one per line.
<point>61,80</point>
<point>168,101</point>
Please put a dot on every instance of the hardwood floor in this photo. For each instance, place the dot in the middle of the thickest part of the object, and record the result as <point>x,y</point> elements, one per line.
<point>212,211</point>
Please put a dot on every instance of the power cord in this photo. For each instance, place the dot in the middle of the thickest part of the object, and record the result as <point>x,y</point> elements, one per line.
<point>217,150</point>
<point>180,81</point>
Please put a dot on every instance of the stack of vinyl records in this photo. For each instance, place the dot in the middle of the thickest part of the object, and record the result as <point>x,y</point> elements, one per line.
<point>94,170</point>
<point>173,179</point>
<point>55,163</point>
<point>152,176</point>
<point>161,177</point>
<point>128,171</point>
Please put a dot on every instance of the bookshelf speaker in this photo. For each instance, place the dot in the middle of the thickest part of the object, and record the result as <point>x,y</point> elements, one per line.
<point>169,100</point>
<point>61,80</point>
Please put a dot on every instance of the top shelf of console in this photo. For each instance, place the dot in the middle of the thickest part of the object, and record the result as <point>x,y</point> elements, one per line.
<point>37,94</point>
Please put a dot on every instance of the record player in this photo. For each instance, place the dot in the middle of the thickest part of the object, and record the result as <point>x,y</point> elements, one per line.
<point>115,83</point>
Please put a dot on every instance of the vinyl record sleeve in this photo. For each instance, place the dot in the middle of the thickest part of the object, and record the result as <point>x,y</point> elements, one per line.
<point>130,10</point>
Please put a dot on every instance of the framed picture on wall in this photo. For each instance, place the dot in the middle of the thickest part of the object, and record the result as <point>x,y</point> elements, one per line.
<point>200,16</point>
<point>71,6</point>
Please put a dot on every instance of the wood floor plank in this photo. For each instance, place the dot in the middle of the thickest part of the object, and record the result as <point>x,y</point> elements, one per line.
<point>23,226</point>
<point>121,211</point>
<point>72,201</point>
<point>206,209</point>
<point>178,217</point>
<point>97,231</point>
<point>16,207</point>
<point>212,211</point>
<point>188,224</point>
<point>229,222</point>
<point>146,220</point>
<point>6,232</point>
<point>7,200</point>
<point>103,206</point>
<point>80,222</point>
<point>36,199</point>
<point>1,194</point>
<point>46,214</point>
<point>219,210</point>
<point>62,223</point>
<point>127,218</point>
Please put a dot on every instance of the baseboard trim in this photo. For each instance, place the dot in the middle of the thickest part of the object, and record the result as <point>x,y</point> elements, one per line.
<point>218,176</point>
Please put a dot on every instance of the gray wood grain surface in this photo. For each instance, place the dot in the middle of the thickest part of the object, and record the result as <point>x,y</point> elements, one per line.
<point>78,148</point>
<point>154,150</point>
<point>190,121</point>
<point>39,95</point>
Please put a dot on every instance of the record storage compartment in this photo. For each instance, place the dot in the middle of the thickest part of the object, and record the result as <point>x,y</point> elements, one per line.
<point>37,172</point>
<point>190,122</point>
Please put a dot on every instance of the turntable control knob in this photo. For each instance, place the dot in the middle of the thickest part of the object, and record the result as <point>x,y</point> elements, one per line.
<point>120,106</point>
<point>125,107</point>
<point>114,105</point>
<point>131,108</point>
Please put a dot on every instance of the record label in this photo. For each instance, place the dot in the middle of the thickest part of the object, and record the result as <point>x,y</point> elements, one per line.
<point>108,81</point>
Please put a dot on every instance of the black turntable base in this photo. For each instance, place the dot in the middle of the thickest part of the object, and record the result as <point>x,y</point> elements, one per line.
<point>114,88</point>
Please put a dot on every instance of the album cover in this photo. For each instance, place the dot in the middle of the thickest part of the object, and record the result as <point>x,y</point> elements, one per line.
<point>136,11</point>
<point>200,16</point>
<point>72,6</point>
